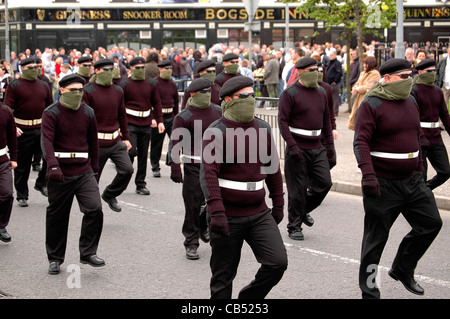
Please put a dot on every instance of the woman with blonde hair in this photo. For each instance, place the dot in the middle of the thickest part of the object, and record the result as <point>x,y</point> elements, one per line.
<point>366,80</point>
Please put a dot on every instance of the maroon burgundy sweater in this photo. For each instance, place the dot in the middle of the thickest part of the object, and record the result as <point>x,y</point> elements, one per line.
<point>327,88</point>
<point>391,127</point>
<point>8,133</point>
<point>168,94</point>
<point>65,130</point>
<point>305,108</point>
<point>219,137</point>
<point>432,108</point>
<point>109,107</point>
<point>28,99</point>
<point>188,119</point>
<point>222,77</point>
<point>142,96</point>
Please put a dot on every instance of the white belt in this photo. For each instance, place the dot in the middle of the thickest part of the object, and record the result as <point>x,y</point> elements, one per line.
<point>429,124</point>
<point>28,122</point>
<point>241,186</point>
<point>167,110</point>
<point>396,155</point>
<point>108,136</point>
<point>305,132</point>
<point>3,151</point>
<point>71,155</point>
<point>192,157</point>
<point>138,113</point>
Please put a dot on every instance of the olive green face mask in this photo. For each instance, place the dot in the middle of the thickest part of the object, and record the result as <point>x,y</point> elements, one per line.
<point>319,77</point>
<point>397,90</point>
<point>166,74</point>
<point>231,68</point>
<point>71,99</point>
<point>309,79</point>
<point>211,76</point>
<point>239,110</point>
<point>138,74</point>
<point>30,74</point>
<point>104,78</point>
<point>200,100</point>
<point>116,73</point>
<point>84,71</point>
<point>426,78</point>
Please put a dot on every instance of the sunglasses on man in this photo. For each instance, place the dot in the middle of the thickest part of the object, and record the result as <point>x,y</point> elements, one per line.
<point>245,95</point>
<point>139,67</point>
<point>76,89</point>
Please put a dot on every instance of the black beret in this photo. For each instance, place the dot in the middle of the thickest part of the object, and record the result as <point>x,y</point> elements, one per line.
<point>27,61</point>
<point>230,56</point>
<point>103,62</point>
<point>38,60</point>
<point>84,59</point>
<point>235,84</point>
<point>164,63</point>
<point>304,63</point>
<point>70,79</point>
<point>199,84</point>
<point>394,66</point>
<point>205,65</point>
<point>137,60</point>
<point>425,64</point>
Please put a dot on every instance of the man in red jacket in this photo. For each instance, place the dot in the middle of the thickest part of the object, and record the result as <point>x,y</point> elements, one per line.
<point>70,147</point>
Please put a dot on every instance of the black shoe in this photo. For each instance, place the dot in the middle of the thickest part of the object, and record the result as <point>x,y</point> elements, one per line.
<point>296,235</point>
<point>191,253</point>
<point>42,189</point>
<point>23,202</point>
<point>408,281</point>
<point>157,173</point>
<point>54,268</point>
<point>93,260</point>
<point>309,221</point>
<point>113,203</point>
<point>4,236</point>
<point>37,168</point>
<point>204,235</point>
<point>142,191</point>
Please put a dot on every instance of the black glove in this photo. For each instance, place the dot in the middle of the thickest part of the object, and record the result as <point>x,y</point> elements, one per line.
<point>55,174</point>
<point>277,214</point>
<point>219,224</point>
<point>331,155</point>
<point>296,152</point>
<point>371,186</point>
<point>175,174</point>
<point>424,142</point>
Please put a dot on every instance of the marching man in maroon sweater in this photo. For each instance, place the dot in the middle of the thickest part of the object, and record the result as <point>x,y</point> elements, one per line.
<point>195,119</point>
<point>230,63</point>
<point>430,99</point>
<point>70,147</point>
<point>28,97</point>
<point>8,142</point>
<point>387,149</point>
<point>238,159</point>
<point>304,123</point>
<point>168,94</point>
<point>107,101</point>
<point>142,104</point>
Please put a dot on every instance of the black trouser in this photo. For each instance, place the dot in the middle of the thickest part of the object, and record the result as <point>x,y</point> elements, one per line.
<point>157,141</point>
<point>124,168</point>
<point>307,182</point>
<point>140,141</point>
<point>27,144</point>
<point>60,198</point>
<point>6,193</point>
<point>193,200</point>
<point>263,236</point>
<point>438,157</point>
<point>412,198</point>
<point>335,90</point>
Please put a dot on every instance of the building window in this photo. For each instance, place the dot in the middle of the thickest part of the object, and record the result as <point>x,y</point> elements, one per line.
<point>235,38</point>
<point>182,39</point>
<point>127,39</point>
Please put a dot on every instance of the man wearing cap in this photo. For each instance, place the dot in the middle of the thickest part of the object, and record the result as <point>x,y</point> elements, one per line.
<point>168,94</point>
<point>430,99</point>
<point>310,154</point>
<point>207,70</point>
<point>230,63</point>
<point>238,158</point>
<point>85,68</point>
<point>387,149</point>
<point>28,97</point>
<point>107,101</point>
<point>142,103</point>
<point>8,143</point>
<point>195,118</point>
<point>70,147</point>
